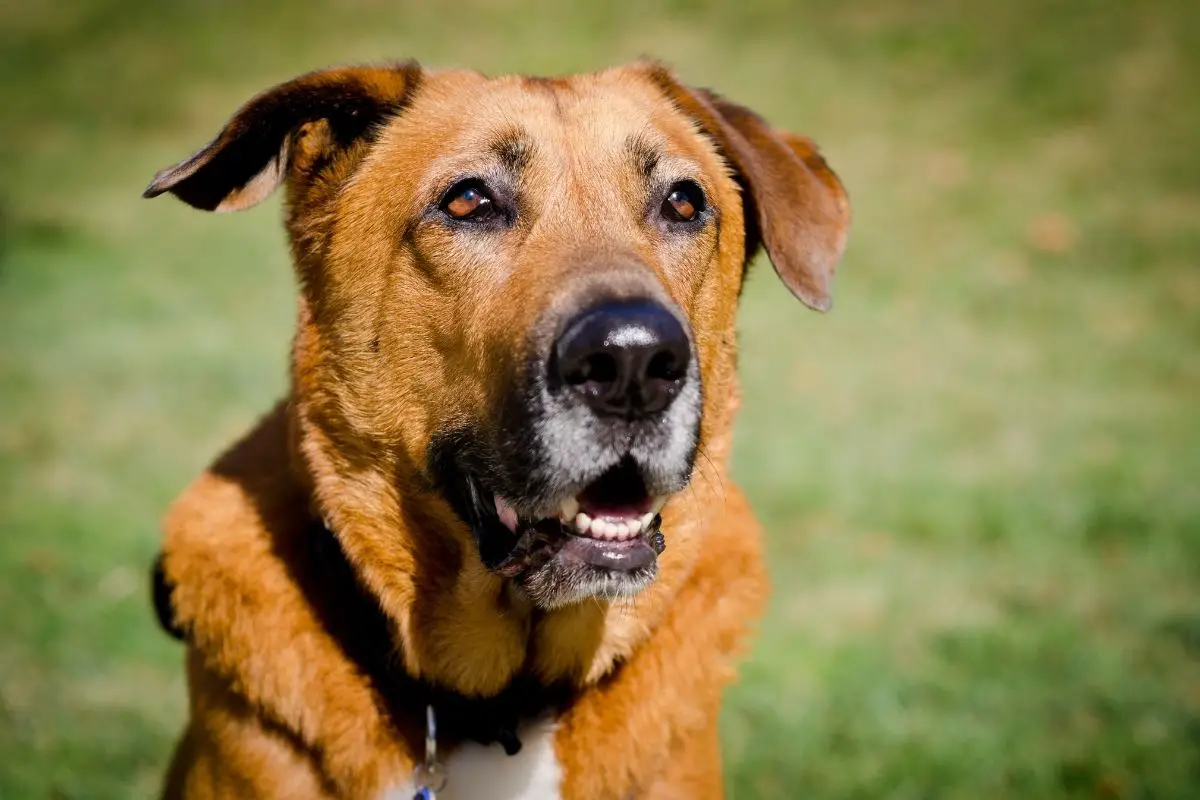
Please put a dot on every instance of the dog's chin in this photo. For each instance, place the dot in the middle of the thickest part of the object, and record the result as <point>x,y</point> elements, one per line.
<point>578,568</point>
<point>603,540</point>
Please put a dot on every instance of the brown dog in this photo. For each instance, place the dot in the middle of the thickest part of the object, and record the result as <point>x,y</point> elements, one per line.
<point>515,336</point>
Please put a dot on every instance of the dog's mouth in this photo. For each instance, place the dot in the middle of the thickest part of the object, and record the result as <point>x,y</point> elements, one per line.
<point>614,508</point>
<point>604,538</point>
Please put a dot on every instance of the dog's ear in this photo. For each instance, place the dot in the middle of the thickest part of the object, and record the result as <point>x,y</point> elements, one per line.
<point>251,156</point>
<point>794,204</point>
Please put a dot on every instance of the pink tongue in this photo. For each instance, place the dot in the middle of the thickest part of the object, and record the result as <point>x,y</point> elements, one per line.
<point>616,513</point>
<point>506,513</point>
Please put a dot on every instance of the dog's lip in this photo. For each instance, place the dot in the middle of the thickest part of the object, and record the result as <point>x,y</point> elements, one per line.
<point>613,507</point>
<point>617,556</point>
<point>589,519</point>
<point>610,524</point>
<point>549,541</point>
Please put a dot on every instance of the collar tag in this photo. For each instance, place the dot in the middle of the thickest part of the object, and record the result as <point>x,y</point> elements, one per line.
<point>430,776</point>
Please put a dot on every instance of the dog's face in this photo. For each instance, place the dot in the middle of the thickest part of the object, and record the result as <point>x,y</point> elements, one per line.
<point>520,293</point>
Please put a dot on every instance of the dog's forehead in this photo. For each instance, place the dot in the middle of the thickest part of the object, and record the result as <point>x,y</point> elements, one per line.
<point>592,115</point>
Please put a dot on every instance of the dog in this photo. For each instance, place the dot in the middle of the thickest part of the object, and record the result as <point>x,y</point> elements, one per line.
<point>488,546</point>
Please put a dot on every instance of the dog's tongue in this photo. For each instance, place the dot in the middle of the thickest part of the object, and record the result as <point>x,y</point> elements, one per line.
<point>617,494</point>
<point>506,513</point>
<point>611,510</point>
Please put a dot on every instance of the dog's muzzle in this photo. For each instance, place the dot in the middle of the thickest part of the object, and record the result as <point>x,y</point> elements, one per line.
<point>567,500</point>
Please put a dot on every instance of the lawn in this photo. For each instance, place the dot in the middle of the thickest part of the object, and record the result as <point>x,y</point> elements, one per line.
<point>980,472</point>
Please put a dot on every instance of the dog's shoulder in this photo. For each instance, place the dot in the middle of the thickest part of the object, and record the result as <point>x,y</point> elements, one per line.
<point>243,517</point>
<point>235,554</point>
<point>248,494</point>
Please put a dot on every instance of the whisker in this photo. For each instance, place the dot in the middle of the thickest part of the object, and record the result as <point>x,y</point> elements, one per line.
<point>715,472</point>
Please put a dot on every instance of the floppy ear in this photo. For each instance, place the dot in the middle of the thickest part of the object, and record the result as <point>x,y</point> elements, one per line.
<point>794,203</point>
<point>251,156</point>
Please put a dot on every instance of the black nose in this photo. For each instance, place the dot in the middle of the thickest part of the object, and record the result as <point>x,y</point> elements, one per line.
<point>626,359</point>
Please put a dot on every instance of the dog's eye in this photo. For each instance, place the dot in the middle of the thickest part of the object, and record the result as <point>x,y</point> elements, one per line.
<point>468,201</point>
<point>684,202</point>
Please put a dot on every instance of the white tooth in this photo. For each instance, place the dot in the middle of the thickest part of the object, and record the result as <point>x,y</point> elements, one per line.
<point>658,503</point>
<point>569,509</point>
<point>622,531</point>
<point>599,527</point>
<point>610,530</point>
<point>647,519</point>
<point>635,526</point>
<point>583,522</point>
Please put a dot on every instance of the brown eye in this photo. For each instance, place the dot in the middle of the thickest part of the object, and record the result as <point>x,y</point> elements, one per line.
<point>468,201</point>
<point>684,202</point>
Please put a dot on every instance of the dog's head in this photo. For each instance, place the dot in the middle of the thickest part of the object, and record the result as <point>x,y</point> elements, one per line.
<point>518,296</point>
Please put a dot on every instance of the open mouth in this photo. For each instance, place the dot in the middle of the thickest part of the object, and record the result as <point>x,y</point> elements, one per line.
<point>611,525</point>
<point>615,507</point>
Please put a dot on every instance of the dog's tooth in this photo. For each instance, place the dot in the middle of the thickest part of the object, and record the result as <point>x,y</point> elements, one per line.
<point>622,530</point>
<point>612,531</point>
<point>657,505</point>
<point>599,527</point>
<point>635,526</point>
<point>647,520</point>
<point>569,509</point>
<point>583,522</point>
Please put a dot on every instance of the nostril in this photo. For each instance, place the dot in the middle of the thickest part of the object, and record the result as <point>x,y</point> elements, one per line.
<point>601,368</point>
<point>594,368</point>
<point>664,366</point>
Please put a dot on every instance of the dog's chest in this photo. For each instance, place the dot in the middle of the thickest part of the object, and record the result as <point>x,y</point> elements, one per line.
<point>476,771</point>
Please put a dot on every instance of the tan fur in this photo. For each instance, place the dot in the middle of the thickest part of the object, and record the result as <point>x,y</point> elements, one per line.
<point>401,330</point>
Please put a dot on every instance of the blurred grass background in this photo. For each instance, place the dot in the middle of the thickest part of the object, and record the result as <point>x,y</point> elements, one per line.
<point>979,473</point>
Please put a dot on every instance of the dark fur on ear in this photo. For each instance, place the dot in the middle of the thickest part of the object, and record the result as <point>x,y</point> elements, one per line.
<point>249,158</point>
<point>794,203</point>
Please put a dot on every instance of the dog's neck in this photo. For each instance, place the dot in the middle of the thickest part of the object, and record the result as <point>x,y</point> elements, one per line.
<point>353,618</point>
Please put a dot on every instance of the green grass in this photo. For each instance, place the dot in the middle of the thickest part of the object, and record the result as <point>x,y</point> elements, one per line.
<point>979,473</point>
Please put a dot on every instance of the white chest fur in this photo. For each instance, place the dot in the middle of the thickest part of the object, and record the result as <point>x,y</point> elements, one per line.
<point>476,771</point>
